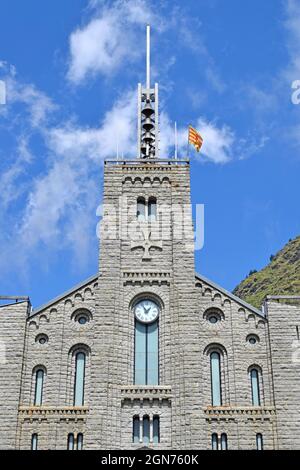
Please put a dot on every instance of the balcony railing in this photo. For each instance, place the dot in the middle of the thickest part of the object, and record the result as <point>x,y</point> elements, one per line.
<point>44,412</point>
<point>145,392</point>
<point>232,412</point>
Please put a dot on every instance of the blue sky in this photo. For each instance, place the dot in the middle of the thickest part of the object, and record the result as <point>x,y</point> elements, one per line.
<point>71,68</point>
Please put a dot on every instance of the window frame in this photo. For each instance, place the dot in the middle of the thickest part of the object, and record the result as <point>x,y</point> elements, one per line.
<point>215,402</point>
<point>76,378</point>
<point>38,388</point>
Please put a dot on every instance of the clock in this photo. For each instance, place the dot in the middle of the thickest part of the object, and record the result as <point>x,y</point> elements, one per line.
<point>146,311</point>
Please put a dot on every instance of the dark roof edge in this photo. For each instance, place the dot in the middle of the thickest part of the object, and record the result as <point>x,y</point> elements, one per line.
<point>229,294</point>
<point>64,294</point>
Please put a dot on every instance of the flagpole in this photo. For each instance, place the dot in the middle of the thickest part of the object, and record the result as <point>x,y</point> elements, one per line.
<point>176,144</point>
<point>117,147</point>
<point>188,146</point>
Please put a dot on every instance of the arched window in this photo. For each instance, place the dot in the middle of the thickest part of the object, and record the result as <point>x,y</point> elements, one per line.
<point>215,373</point>
<point>214,441</point>
<point>254,376</point>
<point>146,430</point>
<point>146,353</point>
<point>136,429</point>
<point>34,441</point>
<point>156,430</point>
<point>39,383</point>
<point>152,209</point>
<point>70,441</point>
<point>224,441</point>
<point>79,441</point>
<point>259,442</point>
<point>79,379</point>
<point>141,209</point>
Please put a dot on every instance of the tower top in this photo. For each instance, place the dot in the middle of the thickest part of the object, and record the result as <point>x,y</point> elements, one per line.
<point>148,131</point>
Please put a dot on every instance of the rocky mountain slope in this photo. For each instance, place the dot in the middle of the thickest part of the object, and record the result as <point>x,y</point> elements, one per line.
<point>280,277</point>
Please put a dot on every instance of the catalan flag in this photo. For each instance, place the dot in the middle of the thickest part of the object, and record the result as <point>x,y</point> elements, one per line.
<point>195,138</point>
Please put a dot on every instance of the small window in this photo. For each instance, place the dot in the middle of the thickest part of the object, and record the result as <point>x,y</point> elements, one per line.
<point>213,319</point>
<point>252,339</point>
<point>34,442</point>
<point>214,441</point>
<point>70,441</point>
<point>152,209</point>
<point>254,376</point>
<point>224,441</point>
<point>39,383</point>
<point>79,379</point>
<point>146,429</point>
<point>259,442</point>
<point>215,372</point>
<point>82,320</point>
<point>213,315</point>
<point>41,339</point>
<point>156,430</point>
<point>136,429</point>
<point>141,209</point>
<point>79,441</point>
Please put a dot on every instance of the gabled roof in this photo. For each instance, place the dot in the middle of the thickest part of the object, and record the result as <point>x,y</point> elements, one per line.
<point>198,276</point>
<point>229,294</point>
<point>64,294</point>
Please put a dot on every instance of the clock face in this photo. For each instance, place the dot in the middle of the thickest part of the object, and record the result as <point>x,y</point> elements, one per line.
<point>146,311</point>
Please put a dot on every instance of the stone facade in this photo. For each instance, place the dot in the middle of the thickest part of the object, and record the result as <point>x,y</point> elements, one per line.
<point>157,265</point>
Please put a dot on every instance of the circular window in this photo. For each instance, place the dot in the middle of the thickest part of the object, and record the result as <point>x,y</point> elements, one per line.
<point>41,339</point>
<point>213,315</point>
<point>213,319</point>
<point>81,316</point>
<point>252,339</point>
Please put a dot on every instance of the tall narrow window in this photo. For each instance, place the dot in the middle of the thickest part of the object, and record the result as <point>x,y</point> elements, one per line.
<point>79,441</point>
<point>141,209</point>
<point>70,441</point>
<point>39,382</point>
<point>156,430</point>
<point>215,372</point>
<point>259,442</point>
<point>223,441</point>
<point>152,209</point>
<point>34,442</point>
<point>146,429</point>
<point>146,353</point>
<point>136,429</point>
<point>254,375</point>
<point>214,441</point>
<point>79,379</point>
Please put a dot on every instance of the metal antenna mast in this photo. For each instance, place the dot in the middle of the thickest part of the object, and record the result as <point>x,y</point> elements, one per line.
<point>148,113</point>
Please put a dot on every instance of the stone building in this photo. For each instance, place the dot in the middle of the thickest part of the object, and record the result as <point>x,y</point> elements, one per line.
<point>147,352</point>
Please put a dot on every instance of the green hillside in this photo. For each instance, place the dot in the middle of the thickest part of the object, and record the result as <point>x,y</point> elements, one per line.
<point>280,277</point>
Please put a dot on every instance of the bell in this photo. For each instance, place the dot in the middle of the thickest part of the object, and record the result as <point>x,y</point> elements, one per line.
<point>147,110</point>
<point>148,137</point>
<point>148,124</point>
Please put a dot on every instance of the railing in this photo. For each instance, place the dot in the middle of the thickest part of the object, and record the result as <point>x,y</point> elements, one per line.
<point>146,161</point>
<point>224,412</point>
<point>66,412</point>
<point>146,392</point>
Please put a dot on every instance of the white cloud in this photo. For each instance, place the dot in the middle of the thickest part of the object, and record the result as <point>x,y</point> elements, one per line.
<point>218,142</point>
<point>39,105</point>
<point>117,129</point>
<point>292,25</point>
<point>108,39</point>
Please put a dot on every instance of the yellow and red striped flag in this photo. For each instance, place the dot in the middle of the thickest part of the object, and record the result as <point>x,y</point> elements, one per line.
<point>195,138</point>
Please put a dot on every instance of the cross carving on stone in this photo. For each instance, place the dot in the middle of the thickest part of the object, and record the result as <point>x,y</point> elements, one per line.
<point>146,244</point>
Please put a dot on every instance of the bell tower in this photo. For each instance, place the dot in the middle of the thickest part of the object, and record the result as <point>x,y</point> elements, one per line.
<point>144,392</point>
<point>148,132</point>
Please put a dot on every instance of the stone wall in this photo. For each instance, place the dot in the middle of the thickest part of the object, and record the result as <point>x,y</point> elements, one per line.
<point>12,336</point>
<point>284,328</point>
